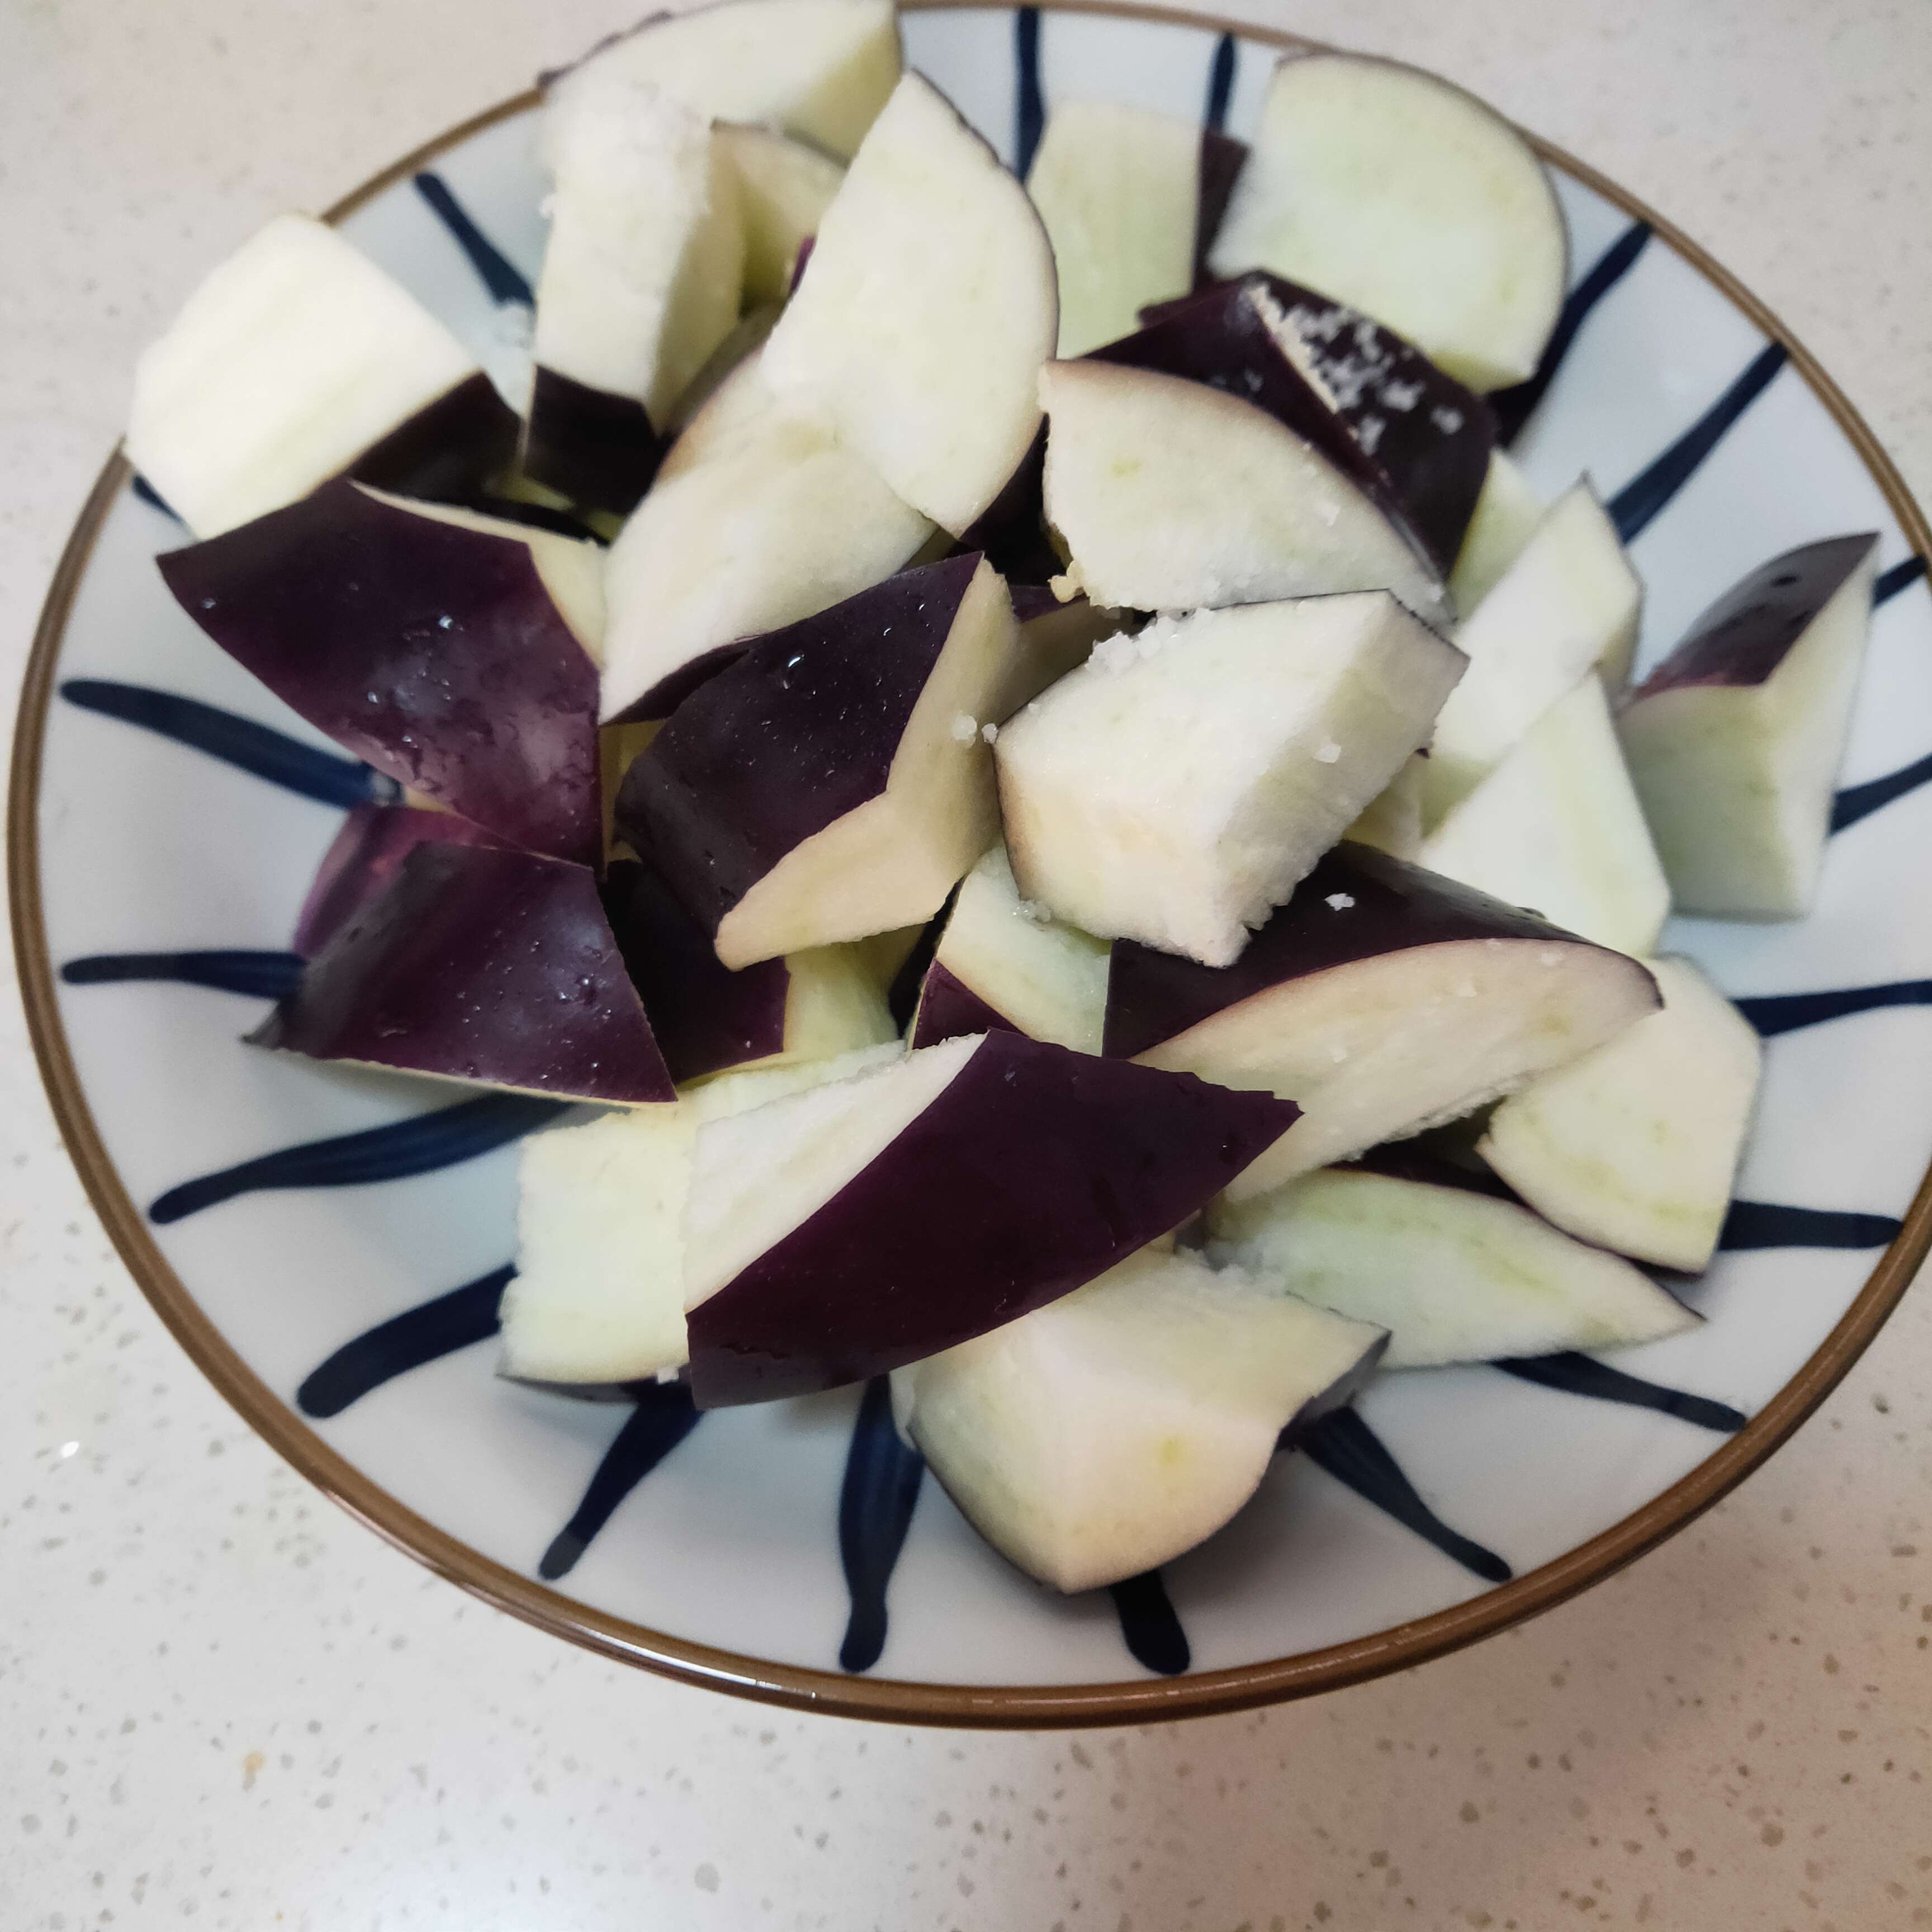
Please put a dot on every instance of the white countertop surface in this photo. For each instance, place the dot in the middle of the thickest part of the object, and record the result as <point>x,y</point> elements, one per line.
<point>224,1704</point>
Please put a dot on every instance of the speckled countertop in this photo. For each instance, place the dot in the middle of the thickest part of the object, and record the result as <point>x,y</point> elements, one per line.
<point>222,1703</point>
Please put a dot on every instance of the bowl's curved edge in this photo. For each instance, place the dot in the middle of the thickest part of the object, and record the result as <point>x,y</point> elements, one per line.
<point>991,1706</point>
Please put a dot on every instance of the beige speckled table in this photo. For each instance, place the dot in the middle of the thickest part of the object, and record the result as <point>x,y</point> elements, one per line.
<point>224,1704</point>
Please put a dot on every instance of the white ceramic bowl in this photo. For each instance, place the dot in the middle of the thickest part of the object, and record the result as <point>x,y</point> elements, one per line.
<point>134,832</point>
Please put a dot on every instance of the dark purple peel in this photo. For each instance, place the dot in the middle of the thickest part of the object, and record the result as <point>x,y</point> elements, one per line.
<point>949,1009</point>
<point>1741,640</point>
<point>362,859</point>
<point>1222,158</point>
<point>598,448</point>
<point>668,693</point>
<point>447,450</point>
<point>1423,464</point>
<point>431,652</point>
<point>1152,996</point>
<point>1011,531</point>
<point>802,729</point>
<point>483,965</point>
<point>705,1017</point>
<point>1036,1169</point>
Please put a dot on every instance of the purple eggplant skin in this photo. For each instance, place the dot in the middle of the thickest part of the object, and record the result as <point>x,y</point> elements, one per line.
<point>434,653</point>
<point>598,448</point>
<point>448,449</point>
<point>1011,531</point>
<point>802,729</point>
<point>705,1017</point>
<point>1152,996</point>
<point>1746,634</point>
<point>480,964</point>
<point>671,690</point>
<point>362,859</point>
<point>1415,440</point>
<point>1222,157</point>
<point>1036,1170</point>
<point>949,1009</point>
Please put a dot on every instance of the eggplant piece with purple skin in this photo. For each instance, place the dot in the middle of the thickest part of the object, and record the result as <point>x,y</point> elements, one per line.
<point>1386,999</point>
<point>295,360</point>
<point>435,651</point>
<point>835,782</point>
<point>850,1230</point>
<point>1415,440</point>
<point>363,859</point>
<point>1735,740</point>
<point>481,964</point>
<point>707,1019</point>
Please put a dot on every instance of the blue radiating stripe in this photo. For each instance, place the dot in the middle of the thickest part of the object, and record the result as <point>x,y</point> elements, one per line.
<point>265,976</point>
<point>1576,1374</point>
<point>258,749</point>
<point>876,1502</point>
<point>1861,801</point>
<point>1636,505</point>
<point>505,281</point>
<point>152,497</point>
<point>1900,576</point>
<point>1769,1224</point>
<point>1344,1445</point>
<point>425,1333</point>
<point>1029,103</point>
<point>421,1144</point>
<point>1220,85</point>
<point>1514,407</point>
<point>1775,1013</point>
<point>662,1419</point>
<point>1149,1627</point>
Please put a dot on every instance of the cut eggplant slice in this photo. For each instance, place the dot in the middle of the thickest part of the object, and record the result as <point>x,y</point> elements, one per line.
<point>642,277</point>
<point>1396,192</point>
<point>925,312</point>
<point>1735,740</point>
<point>1635,1146</point>
<point>1506,516</point>
<point>1454,1274</point>
<point>1171,496</point>
<point>1556,826</point>
<point>1119,191</point>
<point>1385,999</point>
<point>1415,440</point>
<point>1005,961</point>
<point>1175,789</point>
<point>363,859</point>
<point>784,189</point>
<point>870,793</point>
<point>295,360</point>
<point>769,519</point>
<point>848,1231</point>
<point>429,642</point>
<point>1391,821</point>
<point>1568,604</point>
<point>1103,1435</point>
<point>818,69</point>
<point>484,965</point>
<point>809,1006</point>
<point>598,1297</point>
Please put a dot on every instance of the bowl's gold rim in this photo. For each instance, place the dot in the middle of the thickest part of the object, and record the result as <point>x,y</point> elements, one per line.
<point>991,1706</point>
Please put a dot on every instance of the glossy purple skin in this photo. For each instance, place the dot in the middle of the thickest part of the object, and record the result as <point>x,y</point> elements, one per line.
<point>1222,157</point>
<point>705,1017</point>
<point>1423,465</point>
<point>362,859</point>
<point>597,448</point>
<point>1152,996</point>
<point>671,690</point>
<point>432,652</point>
<point>448,449</point>
<point>480,964</point>
<point>1749,631</point>
<point>949,1009</point>
<point>1036,1170</point>
<point>802,729</point>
